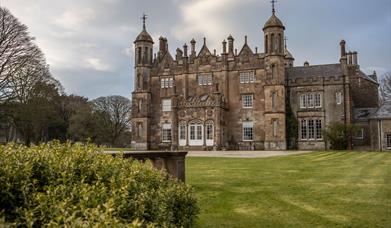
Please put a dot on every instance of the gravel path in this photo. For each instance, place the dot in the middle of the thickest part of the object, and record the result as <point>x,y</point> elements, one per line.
<point>243,154</point>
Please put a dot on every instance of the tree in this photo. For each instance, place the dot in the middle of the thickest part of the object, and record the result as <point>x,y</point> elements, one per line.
<point>113,115</point>
<point>339,135</point>
<point>385,87</point>
<point>18,54</point>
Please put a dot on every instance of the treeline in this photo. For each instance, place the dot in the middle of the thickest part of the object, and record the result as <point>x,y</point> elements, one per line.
<point>34,107</point>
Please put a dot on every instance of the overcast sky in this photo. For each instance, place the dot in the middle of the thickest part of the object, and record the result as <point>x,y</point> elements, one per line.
<point>89,43</point>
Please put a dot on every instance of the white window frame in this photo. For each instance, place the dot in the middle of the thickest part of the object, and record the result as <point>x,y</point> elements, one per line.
<point>318,100</point>
<point>311,131</point>
<point>310,100</point>
<point>248,131</point>
<point>303,130</point>
<point>303,101</point>
<point>247,101</point>
<point>275,128</point>
<point>209,133</point>
<point>196,130</point>
<point>166,105</point>
<point>247,77</point>
<point>166,133</point>
<point>205,79</point>
<point>338,98</point>
<point>182,134</point>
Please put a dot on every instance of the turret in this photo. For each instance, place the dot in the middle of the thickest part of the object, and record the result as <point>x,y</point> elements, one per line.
<point>274,36</point>
<point>143,58</point>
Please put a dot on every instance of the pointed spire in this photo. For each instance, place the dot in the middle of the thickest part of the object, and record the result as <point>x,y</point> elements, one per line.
<point>204,41</point>
<point>144,18</point>
<point>273,6</point>
<point>245,39</point>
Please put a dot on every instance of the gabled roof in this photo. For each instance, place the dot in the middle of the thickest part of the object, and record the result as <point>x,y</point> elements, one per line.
<point>384,112</point>
<point>246,50</point>
<point>367,77</point>
<point>328,70</point>
<point>204,51</point>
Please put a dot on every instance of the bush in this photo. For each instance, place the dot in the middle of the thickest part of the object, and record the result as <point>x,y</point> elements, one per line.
<point>339,135</point>
<point>72,185</point>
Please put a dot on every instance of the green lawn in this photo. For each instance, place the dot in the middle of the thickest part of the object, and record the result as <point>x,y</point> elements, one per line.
<point>324,189</point>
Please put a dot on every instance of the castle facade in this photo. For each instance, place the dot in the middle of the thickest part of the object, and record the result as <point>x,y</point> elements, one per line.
<point>245,99</point>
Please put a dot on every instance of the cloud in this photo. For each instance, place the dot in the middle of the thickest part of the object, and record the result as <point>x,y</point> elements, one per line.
<point>97,64</point>
<point>75,19</point>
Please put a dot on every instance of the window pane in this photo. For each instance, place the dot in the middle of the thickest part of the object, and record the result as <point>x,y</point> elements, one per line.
<point>166,104</point>
<point>310,100</point>
<point>302,101</point>
<point>209,132</point>
<point>182,132</point>
<point>199,132</point>
<point>247,101</point>
<point>311,129</point>
<point>318,103</point>
<point>248,131</point>
<point>318,129</point>
<point>303,127</point>
<point>192,132</point>
<point>389,140</point>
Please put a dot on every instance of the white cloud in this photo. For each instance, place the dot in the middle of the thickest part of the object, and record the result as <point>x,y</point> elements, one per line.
<point>207,18</point>
<point>97,64</point>
<point>75,19</point>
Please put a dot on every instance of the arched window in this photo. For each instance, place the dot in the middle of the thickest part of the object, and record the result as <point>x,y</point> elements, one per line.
<point>274,71</point>
<point>196,133</point>
<point>266,44</point>
<point>273,41</point>
<point>139,55</point>
<point>140,105</point>
<point>280,42</point>
<point>274,100</point>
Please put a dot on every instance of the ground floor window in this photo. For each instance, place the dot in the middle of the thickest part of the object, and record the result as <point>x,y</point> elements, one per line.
<point>310,129</point>
<point>209,131</point>
<point>248,131</point>
<point>388,138</point>
<point>182,132</point>
<point>166,133</point>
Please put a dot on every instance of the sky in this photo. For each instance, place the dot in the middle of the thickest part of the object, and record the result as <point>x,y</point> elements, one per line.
<point>89,43</point>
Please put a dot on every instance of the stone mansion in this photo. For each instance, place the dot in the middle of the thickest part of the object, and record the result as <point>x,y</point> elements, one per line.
<point>245,99</point>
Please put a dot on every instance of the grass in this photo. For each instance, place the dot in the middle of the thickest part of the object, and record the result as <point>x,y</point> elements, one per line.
<point>321,189</point>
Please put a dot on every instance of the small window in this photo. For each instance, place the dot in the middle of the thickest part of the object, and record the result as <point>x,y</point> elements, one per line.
<point>247,101</point>
<point>318,100</point>
<point>166,104</point>
<point>166,133</point>
<point>359,134</point>
<point>274,101</point>
<point>275,128</point>
<point>248,131</point>
<point>274,71</point>
<point>338,98</point>
<point>303,100</point>
<point>192,132</point>
<point>199,132</point>
<point>388,138</point>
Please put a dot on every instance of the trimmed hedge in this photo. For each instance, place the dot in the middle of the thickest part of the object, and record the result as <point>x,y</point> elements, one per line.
<point>72,185</point>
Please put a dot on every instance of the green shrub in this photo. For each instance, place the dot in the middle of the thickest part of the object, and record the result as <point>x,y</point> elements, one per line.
<point>72,185</point>
<point>339,134</point>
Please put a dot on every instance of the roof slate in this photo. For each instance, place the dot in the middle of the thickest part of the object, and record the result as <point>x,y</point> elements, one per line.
<point>384,112</point>
<point>328,70</point>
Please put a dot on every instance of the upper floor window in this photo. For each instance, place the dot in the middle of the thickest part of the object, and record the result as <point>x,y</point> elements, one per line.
<point>166,105</point>
<point>209,130</point>
<point>166,132</point>
<point>247,100</point>
<point>338,98</point>
<point>167,82</point>
<point>248,131</point>
<point>247,77</point>
<point>274,100</point>
<point>310,100</point>
<point>205,79</point>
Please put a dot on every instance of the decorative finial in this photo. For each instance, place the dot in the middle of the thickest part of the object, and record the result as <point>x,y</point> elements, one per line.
<point>273,5</point>
<point>144,18</point>
<point>245,39</point>
<point>285,40</point>
<point>204,41</point>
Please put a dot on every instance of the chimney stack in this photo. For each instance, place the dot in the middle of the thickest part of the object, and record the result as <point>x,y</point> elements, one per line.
<point>185,50</point>
<point>343,48</point>
<point>306,64</point>
<point>231,44</point>
<point>193,43</point>
<point>162,45</point>
<point>349,56</point>
<point>224,47</point>
<point>355,60</point>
